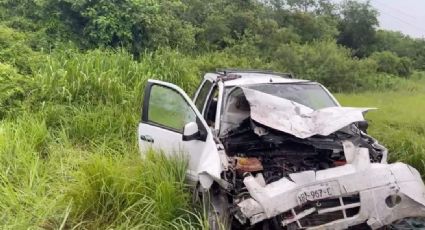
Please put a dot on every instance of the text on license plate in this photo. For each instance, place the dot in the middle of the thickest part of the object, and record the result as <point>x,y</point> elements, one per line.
<point>318,192</point>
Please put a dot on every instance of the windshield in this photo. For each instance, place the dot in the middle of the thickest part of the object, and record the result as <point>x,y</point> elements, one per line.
<point>310,95</point>
<point>236,107</point>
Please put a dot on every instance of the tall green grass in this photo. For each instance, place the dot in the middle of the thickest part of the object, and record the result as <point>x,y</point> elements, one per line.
<point>68,152</point>
<point>399,122</point>
<point>49,182</point>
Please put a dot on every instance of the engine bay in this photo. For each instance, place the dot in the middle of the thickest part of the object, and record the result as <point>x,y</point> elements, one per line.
<point>259,151</point>
<point>281,154</point>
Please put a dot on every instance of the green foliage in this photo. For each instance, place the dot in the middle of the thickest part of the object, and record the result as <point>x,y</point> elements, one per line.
<point>327,63</point>
<point>51,184</point>
<point>23,8</point>
<point>399,123</point>
<point>14,50</point>
<point>90,78</point>
<point>68,157</point>
<point>72,75</point>
<point>311,27</point>
<point>250,28</point>
<point>24,177</point>
<point>402,45</point>
<point>358,26</point>
<point>132,24</point>
<point>125,192</point>
<point>12,89</point>
<point>390,63</point>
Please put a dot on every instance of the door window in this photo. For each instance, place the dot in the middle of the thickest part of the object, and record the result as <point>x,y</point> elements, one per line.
<point>202,95</point>
<point>211,108</point>
<point>168,109</point>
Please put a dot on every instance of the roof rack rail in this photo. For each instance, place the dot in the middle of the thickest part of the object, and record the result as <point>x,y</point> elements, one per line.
<point>228,71</point>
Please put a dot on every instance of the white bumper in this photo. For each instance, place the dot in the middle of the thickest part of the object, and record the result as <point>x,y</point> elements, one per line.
<point>387,192</point>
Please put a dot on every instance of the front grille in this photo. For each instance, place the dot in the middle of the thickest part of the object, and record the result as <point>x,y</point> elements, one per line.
<point>315,213</point>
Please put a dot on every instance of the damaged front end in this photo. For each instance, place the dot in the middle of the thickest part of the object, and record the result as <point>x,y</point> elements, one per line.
<point>312,169</point>
<point>337,198</point>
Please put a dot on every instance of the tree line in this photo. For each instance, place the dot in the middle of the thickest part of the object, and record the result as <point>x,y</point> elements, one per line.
<point>300,36</point>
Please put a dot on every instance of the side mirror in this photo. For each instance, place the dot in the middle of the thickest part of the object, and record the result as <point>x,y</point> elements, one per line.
<point>191,132</point>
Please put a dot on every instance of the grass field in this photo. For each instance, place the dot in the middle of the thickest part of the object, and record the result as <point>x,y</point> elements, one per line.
<point>399,122</point>
<point>47,182</point>
<point>68,152</point>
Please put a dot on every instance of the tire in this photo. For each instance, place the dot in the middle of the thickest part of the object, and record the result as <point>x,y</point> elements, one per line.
<point>414,223</point>
<point>215,207</point>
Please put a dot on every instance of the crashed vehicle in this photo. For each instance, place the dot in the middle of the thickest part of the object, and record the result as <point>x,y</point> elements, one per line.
<point>273,152</point>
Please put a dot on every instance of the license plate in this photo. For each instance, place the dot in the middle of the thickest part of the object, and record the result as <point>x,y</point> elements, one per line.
<point>318,192</point>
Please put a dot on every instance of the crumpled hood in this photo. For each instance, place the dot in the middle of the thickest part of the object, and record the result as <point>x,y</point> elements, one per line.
<point>299,120</point>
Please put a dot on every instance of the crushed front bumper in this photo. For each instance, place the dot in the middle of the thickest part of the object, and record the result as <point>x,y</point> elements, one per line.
<point>362,192</point>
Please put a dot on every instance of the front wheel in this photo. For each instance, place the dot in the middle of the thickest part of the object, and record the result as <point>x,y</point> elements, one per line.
<point>215,208</point>
<point>414,223</point>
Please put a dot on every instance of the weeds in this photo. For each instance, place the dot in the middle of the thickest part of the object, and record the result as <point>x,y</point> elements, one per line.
<point>399,123</point>
<point>47,180</point>
<point>68,157</point>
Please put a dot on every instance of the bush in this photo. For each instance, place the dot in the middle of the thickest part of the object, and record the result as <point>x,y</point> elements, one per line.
<point>327,63</point>
<point>12,89</point>
<point>15,51</point>
<point>390,63</point>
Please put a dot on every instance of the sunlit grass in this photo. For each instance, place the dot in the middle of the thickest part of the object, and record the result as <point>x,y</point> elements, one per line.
<point>399,122</point>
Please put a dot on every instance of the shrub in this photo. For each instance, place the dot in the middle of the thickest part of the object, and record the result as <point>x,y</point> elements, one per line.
<point>390,63</point>
<point>12,89</point>
<point>15,51</point>
<point>328,63</point>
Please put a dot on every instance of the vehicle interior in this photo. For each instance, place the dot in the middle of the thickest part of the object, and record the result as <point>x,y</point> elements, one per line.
<point>211,107</point>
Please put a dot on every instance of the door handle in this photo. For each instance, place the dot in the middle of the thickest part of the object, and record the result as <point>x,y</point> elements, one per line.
<point>146,138</point>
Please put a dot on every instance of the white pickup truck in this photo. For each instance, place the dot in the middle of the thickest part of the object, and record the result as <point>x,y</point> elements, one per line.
<point>275,152</point>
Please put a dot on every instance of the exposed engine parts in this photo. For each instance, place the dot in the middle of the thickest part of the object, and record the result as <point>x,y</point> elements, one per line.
<point>248,164</point>
<point>271,155</point>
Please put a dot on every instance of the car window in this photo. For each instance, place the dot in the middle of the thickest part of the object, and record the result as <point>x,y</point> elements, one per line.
<point>202,95</point>
<point>169,109</point>
<point>310,95</point>
<point>211,108</point>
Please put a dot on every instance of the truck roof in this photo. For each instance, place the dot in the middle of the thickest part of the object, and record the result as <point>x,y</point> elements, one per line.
<point>235,78</point>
